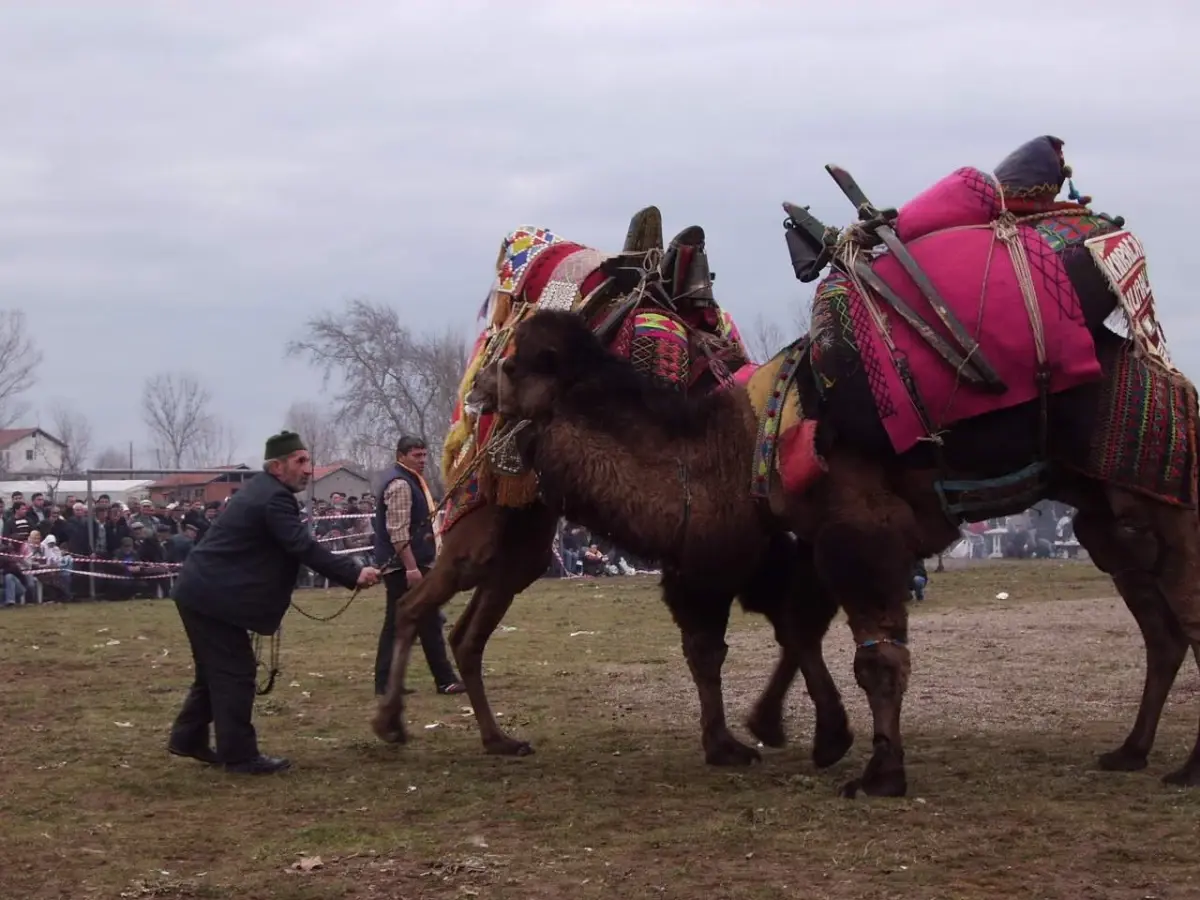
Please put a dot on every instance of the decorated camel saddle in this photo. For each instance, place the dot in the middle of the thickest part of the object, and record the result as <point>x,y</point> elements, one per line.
<point>650,304</point>
<point>972,298</point>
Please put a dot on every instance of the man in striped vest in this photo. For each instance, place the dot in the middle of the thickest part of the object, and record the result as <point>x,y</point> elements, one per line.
<point>404,529</point>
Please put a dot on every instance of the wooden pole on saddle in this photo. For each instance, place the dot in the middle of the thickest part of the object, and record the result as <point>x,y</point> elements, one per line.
<point>812,246</point>
<point>879,222</point>
<point>645,231</point>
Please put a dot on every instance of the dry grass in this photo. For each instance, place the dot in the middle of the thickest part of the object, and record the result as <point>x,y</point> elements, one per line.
<point>1009,704</point>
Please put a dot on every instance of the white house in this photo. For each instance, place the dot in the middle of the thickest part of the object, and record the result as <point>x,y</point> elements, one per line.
<point>339,478</point>
<point>30,450</point>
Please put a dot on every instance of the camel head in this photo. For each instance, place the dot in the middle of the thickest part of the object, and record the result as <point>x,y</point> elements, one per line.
<point>553,352</point>
<point>483,397</point>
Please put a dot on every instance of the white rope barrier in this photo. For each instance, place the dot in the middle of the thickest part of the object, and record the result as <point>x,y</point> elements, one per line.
<point>71,562</point>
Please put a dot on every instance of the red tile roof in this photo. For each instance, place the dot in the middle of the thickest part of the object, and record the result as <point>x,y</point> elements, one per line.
<point>194,480</point>
<point>183,480</point>
<point>9,436</point>
<point>320,472</point>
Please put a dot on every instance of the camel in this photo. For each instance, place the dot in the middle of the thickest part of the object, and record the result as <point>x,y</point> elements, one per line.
<point>1107,426</point>
<point>499,548</point>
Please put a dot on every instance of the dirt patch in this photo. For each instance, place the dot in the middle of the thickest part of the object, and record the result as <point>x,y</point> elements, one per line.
<point>1010,702</point>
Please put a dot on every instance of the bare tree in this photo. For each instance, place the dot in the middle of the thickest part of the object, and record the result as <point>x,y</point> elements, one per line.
<point>72,428</point>
<point>111,458</point>
<point>802,320</point>
<point>215,444</point>
<point>318,429</point>
<point>391,381</point>
<point>19,361</point>
<point>175,410</point>
<point>764,339</point>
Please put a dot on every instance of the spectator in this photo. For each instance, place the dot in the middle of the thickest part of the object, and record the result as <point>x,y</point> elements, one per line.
<point>15,584</point>
<point>22,520</point>
<point>180,545</point>
<point>56,525</point>
<point>57,583</point>
<point>920,578</point>
<point>146,516</point>
<point>38,512</point>
<point>116,526</point>
<point>594,562</point>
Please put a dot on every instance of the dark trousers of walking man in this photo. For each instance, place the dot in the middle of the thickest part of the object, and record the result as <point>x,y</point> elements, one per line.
<point>222,692</point>
<point>429,630</point>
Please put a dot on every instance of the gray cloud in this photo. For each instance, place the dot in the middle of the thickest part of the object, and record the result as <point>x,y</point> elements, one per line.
<point>182,185</point>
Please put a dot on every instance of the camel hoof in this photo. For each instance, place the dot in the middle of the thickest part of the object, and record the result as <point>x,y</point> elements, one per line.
<point>887,786</point>
<point>830,748</point>
<point>508,747</point>
<point>1188,776</point>
<point>1121,760</point>
<point>389,730</point>
<point>767,729</point>
<point>731,752</point>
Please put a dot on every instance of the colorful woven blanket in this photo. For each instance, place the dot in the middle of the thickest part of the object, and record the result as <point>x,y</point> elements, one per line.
<point>786,441</point>
<point>1147,424</point>
<point>538,269</point>
<point>949,229</point>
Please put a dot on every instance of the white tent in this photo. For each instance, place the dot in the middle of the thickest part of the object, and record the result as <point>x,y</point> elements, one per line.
<point>124,490</point>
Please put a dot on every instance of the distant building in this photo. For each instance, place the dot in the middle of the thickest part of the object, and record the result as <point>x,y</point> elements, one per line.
<point>30,450</point>
<point>209,487</point>
<point>339,478</point>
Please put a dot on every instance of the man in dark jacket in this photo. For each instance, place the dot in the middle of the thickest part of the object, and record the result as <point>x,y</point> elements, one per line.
<point>239,579</point>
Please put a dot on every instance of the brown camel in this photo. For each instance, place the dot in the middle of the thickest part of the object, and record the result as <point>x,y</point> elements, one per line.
<point>499,550</point>
<point>1118,444</point>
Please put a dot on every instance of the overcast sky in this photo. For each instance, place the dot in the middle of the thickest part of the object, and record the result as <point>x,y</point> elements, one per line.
<point>183,184</point>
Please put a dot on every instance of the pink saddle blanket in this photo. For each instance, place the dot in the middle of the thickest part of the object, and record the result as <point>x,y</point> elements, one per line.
<point>945,230</point>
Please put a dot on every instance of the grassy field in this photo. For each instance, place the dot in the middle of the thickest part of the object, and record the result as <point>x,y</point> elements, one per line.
<point>1010,702</point>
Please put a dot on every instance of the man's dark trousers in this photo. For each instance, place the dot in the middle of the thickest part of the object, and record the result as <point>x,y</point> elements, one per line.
<point>223,692</point>
<point>429,630</point>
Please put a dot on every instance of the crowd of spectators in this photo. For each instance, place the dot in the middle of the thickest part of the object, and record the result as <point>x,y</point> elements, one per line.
<point>344,524</point>
<point>582,553</point>
<point>61,552</point>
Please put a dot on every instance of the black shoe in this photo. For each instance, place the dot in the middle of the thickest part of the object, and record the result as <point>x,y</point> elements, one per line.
<point>260,765</point>
<point>203,754</point>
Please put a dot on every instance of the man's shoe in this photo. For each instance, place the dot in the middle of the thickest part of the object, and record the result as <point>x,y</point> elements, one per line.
<point>203,754</point>
<point>260,765</point>
<point>454,687</point>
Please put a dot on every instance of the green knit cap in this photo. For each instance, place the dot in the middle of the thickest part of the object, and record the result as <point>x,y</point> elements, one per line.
<point>283,444</point>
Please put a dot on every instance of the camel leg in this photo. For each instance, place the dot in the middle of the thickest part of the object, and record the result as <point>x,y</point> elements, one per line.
<point>523,558</point>
<point>1109,548</point>
<point>866,566</point>
<point>801,618</point>
<point>468,645</point>
<point>433,591</point>
<point>1178,532</point>
<point>703,619</point>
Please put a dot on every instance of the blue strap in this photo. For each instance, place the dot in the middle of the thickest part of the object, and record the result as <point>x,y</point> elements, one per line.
<point>872,642</point>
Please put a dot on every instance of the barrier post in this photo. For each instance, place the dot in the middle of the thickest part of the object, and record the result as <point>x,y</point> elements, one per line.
<point>91,508</point>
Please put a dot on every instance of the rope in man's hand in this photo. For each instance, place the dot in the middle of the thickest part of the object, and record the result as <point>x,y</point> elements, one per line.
<point>273,667</point>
